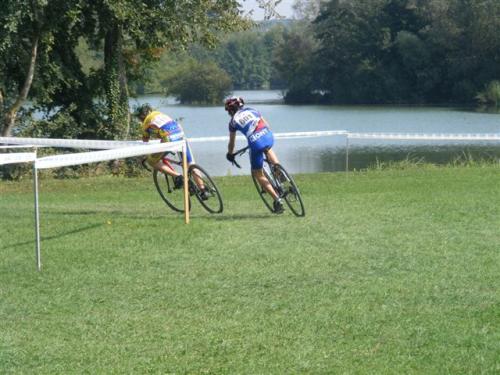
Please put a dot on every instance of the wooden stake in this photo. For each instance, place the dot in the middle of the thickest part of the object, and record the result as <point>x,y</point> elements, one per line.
<point>186,189</point>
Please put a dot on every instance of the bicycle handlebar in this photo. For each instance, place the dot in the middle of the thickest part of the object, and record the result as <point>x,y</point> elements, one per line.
<point>238,153</point>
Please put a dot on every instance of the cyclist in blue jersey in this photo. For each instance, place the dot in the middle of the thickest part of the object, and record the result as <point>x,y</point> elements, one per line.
<point>260,141</point>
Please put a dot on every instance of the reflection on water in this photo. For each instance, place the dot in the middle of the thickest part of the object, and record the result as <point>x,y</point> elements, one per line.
<point>363,157</point>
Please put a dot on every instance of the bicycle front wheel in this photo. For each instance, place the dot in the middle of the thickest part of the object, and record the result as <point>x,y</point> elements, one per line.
<point>210,198</point>
<point>173,197</point>
<point>288,190</point>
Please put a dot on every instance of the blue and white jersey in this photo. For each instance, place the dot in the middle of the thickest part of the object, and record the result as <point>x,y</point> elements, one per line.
<point>250,122</point>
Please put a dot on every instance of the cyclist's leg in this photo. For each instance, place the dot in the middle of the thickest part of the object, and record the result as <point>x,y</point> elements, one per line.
<point>273,160</point>
<point>264,182</point>
<point>257,162</point>
<point>160,163</point>
<point>157,162</point>
<point>271,156</point>
<point>190,160</point>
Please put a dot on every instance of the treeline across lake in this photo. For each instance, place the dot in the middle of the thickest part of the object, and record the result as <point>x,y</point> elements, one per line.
<point>79,62</point>
<point>363,51</point>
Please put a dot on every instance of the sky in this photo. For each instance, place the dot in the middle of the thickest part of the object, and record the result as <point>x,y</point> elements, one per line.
<point>284,9</point>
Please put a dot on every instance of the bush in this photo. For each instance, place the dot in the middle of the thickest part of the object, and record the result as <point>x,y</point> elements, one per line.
<point>197,83</point>
<point>63,125</point>
<point>490,95</point>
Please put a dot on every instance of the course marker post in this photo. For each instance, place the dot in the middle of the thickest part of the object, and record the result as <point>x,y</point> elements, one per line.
<point>37,217</point>
<point>347,154</point>
<point>185,178</point>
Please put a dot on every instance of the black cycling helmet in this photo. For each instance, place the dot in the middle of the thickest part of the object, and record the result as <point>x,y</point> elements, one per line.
<point>232,104</point>
<point>143,110</point>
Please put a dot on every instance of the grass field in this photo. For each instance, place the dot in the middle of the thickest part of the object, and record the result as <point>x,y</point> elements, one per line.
<point>390,272</point>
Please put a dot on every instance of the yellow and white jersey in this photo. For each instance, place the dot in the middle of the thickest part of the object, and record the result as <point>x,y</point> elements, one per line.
<point>158,125</point>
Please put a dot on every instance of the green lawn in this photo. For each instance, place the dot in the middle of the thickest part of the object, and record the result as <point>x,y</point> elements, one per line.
<point>390,272</point>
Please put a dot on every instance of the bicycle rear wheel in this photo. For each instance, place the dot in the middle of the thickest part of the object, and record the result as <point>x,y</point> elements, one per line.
<point>174,198</point>
<point>210,198</point>
<point>288,190</point>
<point>266,197</point>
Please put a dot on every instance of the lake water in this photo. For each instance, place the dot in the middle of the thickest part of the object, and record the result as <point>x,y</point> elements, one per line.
<point>328,153</point>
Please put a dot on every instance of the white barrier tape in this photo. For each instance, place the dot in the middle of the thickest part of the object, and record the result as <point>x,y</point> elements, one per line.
<point>292,135</point>
<point>426,137</point>
<point>70,143</point>
<point>17,157</point>
<point>212,139</point>
<point>106,145</point>
<point>96,156</point>
<point>16,146</point>
<point>324,133</point>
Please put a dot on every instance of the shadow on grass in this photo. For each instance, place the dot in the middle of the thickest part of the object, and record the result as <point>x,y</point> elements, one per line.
<point>115,214</point>
<point>241,217</point>
<point>46,238</point>
<point>73,213</point>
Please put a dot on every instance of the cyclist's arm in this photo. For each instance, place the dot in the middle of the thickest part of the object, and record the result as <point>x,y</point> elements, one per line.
<point>230,145</point>
<point>145,134</point>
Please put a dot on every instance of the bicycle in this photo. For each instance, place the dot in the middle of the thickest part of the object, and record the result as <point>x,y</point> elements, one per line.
<point>210,198</point>
<point>281,181</point>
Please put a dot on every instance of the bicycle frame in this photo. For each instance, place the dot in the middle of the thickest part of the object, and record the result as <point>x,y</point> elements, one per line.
<point>282,183</point>
<point>166,160</point>
<point>245,149</point>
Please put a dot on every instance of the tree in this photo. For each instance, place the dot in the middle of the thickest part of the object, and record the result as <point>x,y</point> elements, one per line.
<point>464,34</point>
<point>131,33</point>
<point>490,96</point>
<point>199,83</point>
<point>352,49</point>
<point>245,57</point>
<point>269,7</point>
<point>380,51</point>
<point>273,39</point>
<point>306,9</point>
<point>137,32</point>
<point>27,37</point>
<point>294,60</point>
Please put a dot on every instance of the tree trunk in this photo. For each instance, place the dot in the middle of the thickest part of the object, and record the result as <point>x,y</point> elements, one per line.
<point>116,85</point>
<point>11,113</point>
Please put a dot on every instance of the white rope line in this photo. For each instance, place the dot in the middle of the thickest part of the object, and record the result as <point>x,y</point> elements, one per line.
<point>324,133</point>
<point>427,137</point>
<point>70,143</point>
<point>17,146</point>
<point>327,133</point>
<point>290,135</point>
<point>106,145</point>
<point>212,139</point>
<point>96,156</point>
<point>17,157</point>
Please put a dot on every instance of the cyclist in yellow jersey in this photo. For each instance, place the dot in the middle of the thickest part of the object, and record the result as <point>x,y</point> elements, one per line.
<point>157,125</point>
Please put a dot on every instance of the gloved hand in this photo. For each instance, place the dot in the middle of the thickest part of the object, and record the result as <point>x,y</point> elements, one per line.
<point>230,157</point>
